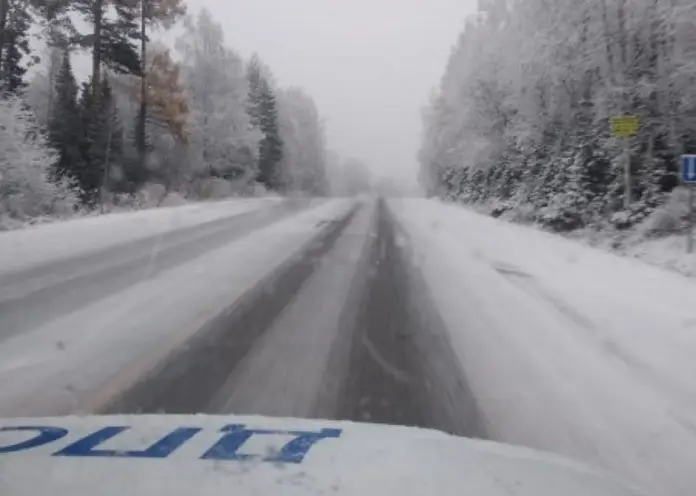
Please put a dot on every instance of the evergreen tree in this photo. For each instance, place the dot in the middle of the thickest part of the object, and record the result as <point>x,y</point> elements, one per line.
<point>264,115</point>
<point>53,16</point>
<point>112,38</point>
<point>134,169</point>
<point>65,124</point>
<point>16,45</point>
<point>57,31</point>
<point>102,144</point>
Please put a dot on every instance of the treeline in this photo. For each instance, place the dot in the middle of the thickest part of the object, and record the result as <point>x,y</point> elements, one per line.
<point>521,118</point>
<point>198,120</point>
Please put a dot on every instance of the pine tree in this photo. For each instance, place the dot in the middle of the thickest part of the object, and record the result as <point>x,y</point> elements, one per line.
<point>264,115</point>
<point>102,145</point>
<point>271,146</point>
<point>65,124</point>
<point>53,17</point>
<point>57,31</point>
<point>112,40</point>
<point>15,46</point>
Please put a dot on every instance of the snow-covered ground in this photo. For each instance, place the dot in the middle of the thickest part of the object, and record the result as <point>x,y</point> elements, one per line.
<point>49,242</point>
<point>566,348</point>
<point>667,252</point>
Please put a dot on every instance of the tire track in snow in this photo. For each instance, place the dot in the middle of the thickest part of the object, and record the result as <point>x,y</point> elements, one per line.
<point>401,368</point>
<point>188,380</point>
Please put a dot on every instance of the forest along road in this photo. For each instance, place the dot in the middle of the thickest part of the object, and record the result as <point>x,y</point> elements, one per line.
<point>345,332</point>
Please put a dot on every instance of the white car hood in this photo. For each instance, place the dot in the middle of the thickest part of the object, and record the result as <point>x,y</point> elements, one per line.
<point>202,455</point>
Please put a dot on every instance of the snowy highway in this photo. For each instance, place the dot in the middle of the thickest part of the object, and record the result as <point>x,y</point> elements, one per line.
<point>402,311</point>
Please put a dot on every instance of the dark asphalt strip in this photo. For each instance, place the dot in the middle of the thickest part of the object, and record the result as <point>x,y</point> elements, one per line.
<point>401,366</point>
<point>187,382</point>
<point>95,276</point>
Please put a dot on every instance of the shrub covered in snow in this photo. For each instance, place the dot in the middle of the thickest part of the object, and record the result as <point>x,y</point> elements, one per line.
<point>669,218</point>
<point>26,160</point>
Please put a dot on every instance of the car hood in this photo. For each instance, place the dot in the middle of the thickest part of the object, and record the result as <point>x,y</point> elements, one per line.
<point>147,455</point>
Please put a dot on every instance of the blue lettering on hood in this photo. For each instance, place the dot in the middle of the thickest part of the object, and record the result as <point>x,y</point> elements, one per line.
<point>161,449</point>
<point>44,435</point>
<point>293,452</point>
<point>234,436</point>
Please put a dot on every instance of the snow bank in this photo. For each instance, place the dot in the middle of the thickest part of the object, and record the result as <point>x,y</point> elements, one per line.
<point>566,348</point>
<point>660,240</point>
<point>44,243</point>
<point>668,252</point>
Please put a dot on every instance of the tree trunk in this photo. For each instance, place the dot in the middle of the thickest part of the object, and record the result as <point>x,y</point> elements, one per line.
<point>52,70</point>
<point>608,44</point>
<point>98,13</point>
<point>142,117</point>
<point>105,176</point>
<point>4,10</point>
<point>623,38</point>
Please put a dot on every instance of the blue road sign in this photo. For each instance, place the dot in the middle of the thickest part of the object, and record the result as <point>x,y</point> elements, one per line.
<point>688,169</point>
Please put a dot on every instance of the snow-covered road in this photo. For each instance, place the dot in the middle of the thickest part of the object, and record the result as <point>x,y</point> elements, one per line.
<point>566,348</point>
<point>405,311</point>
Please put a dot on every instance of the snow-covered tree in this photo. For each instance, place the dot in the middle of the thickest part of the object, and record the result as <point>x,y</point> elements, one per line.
<point>26,164</point>
<point>263,110</point>
<point>303,166</point>
<point>223,142</point>
<point>192,121</point>
<point>40,90</point>
<point>529,89</point>
<point>15,47</point>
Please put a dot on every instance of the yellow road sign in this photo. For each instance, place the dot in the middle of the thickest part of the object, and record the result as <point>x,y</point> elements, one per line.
<point>623,126</point>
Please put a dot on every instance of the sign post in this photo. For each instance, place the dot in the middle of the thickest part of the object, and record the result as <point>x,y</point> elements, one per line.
<point>688,175</point>
<point>624,127</point>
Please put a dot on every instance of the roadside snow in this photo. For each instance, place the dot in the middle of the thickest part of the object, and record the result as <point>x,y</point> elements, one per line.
<point>49,242</point>
<point>667,252</point>
<point>566,348</point>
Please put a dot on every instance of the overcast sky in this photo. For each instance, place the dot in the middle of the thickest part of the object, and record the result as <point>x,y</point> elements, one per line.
<point>369,64</point>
